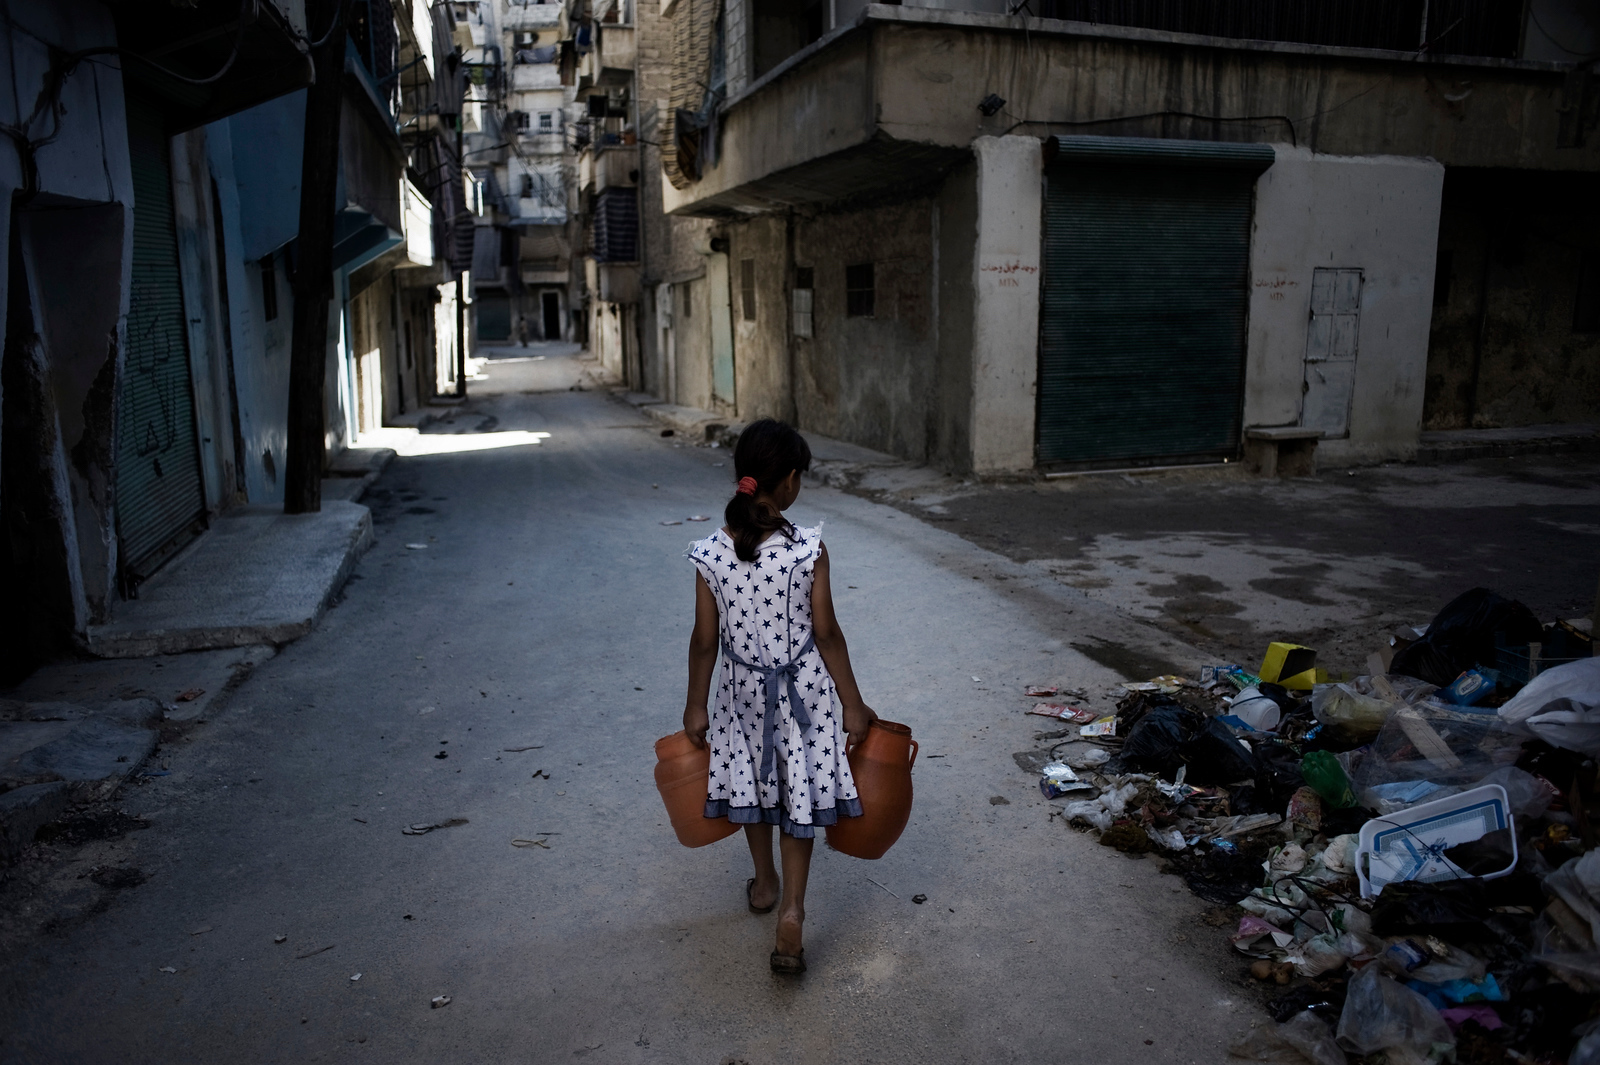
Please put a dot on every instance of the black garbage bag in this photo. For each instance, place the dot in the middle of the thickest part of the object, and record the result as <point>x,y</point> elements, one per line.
<point>1155,742</point>
<point>1215,757</point>
<point>1462,635</point>
<point>1170,737</point>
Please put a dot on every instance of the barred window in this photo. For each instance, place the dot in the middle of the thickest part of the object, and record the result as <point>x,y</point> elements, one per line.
<point>859,290</point>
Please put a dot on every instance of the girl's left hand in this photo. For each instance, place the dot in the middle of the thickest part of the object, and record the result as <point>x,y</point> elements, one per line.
<point>856,720</point>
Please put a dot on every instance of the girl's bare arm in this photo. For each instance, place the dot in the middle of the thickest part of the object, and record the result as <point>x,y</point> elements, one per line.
<point>836,654</point>
<point>702,660</point>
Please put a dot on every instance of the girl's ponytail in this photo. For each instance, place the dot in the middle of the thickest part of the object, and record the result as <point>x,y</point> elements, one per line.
<point>767,452</point>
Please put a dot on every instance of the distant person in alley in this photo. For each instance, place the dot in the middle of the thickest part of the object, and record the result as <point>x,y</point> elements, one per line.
<point>524,330</point>
<point>777,744</point>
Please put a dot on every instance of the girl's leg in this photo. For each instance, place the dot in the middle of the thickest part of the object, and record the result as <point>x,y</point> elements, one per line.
<point>792,911</point>
<point>764,892</point>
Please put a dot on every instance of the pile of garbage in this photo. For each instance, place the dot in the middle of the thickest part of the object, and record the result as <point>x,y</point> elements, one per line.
<point>1412,853</point>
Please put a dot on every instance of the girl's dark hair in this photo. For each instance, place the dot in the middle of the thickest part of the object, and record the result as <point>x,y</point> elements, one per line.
<point>769,451</point>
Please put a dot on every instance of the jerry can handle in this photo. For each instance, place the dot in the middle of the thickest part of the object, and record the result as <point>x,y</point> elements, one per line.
<point>914,749</point>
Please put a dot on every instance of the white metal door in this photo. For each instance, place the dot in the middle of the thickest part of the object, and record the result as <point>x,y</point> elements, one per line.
<point>1331,350</point>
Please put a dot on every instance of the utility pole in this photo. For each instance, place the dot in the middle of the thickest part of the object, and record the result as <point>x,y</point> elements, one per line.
<point>313,275</point>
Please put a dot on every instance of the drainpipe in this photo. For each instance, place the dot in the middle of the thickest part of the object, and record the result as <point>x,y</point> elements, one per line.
<point>461,306</point>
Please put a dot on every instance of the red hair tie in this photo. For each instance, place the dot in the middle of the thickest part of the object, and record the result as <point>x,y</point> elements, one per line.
<point>747,486</point>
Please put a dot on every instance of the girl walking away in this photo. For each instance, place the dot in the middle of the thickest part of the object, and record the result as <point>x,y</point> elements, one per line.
<point>777,744</point>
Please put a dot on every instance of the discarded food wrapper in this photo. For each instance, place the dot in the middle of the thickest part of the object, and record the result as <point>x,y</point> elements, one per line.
<point>697,517</point>
<point>1058,779</point>
<point>1041,689</point>
<point>1471,688</point>
<point>1106,726</point>
<point>439,1001</point>
<point>416,547</point>
<point>354,978</point>
<point>1168,684</point>
<point>1210,675</point>
<point>168,969</point>
<point>672,523</point>
<point>1065,713</point>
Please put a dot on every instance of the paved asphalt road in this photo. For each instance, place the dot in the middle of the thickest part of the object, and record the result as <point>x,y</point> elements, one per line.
<point>549,607</point>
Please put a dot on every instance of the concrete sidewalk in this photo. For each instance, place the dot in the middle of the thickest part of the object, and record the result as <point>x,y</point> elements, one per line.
<point>257,576</point>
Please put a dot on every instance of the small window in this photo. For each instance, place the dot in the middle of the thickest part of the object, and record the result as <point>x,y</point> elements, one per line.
<point>858,290</point>
<point>527,186</point>
<point>1586,308</point>
<point>688,299</point>
<point>269,288</point>
<point>1442,270</point>
<point>747,288</point>
<point>519,120</point>
<point>547,121</point>
<point>804,279</point>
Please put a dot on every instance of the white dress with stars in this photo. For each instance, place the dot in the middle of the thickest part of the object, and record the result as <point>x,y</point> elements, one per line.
<point>777,742</point>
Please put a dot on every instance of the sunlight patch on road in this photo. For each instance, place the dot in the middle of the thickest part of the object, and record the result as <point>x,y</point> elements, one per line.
<point>410,443</point>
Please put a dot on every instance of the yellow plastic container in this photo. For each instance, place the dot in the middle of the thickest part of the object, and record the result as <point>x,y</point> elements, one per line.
<point>1290,665</point>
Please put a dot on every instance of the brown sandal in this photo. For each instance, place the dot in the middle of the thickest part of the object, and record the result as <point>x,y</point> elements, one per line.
<point>748,886</point>
<point>788,964</point>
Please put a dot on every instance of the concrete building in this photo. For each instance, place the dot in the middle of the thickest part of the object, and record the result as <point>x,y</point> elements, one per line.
<point>521,134</point>
<point>1176,234</point>
<point>153,176</point>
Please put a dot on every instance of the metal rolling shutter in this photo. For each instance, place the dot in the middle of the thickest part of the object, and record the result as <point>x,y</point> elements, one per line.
<point>160,503</point>
<point>1142,328</point>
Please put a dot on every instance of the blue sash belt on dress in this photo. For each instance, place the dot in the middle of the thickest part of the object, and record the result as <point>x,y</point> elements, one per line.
<point>771,676</point>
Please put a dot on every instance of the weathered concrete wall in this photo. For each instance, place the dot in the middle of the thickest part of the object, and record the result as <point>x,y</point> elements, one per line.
<point>905,80</point>
<point>872,380</point>
<point>1522,363</point>
<point>1005,317</point>
<point>691,324</point>
<point>260,345</point>
<point>75,241</point>
<point>955,249</point>
<point>761,340</point>
<point>1379,215</point>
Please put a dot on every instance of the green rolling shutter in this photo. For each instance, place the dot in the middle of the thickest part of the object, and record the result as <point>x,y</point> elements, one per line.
<point>1146,283</point>
<point>160,504</point>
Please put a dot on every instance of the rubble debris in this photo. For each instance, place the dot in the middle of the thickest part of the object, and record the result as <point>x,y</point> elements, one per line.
<point>1411,854</point>
<point>424,828</point>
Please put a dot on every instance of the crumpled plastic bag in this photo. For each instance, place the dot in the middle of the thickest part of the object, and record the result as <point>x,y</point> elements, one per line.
<point>1356,709</point>
<point>1301,1038</point>
<point>1561,706</point>
<point>1587,1052</point>
<point>1101,812</point>
<point>1578,884</point>
<point>1430,743</point>
<point>1380,1014</point>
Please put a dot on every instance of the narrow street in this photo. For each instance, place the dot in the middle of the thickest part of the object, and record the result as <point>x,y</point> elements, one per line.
<point>506,653</point>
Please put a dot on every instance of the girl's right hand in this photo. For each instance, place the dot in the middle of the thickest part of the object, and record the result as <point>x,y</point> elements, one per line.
<point>696,722</point>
